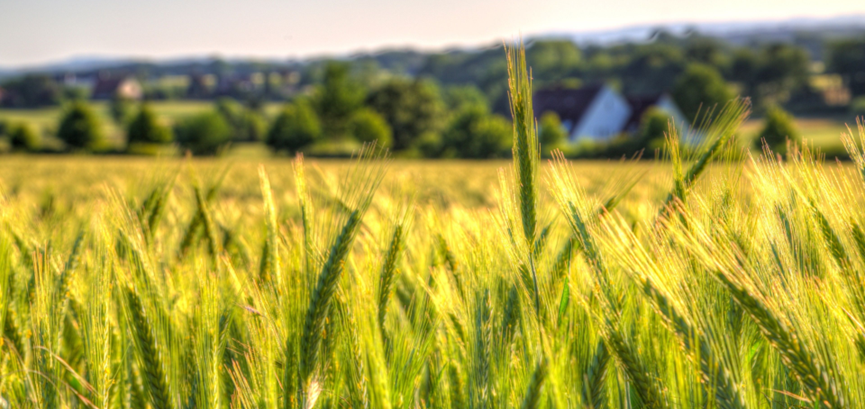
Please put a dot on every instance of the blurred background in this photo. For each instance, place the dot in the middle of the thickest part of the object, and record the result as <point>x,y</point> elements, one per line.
<point>426,79</point>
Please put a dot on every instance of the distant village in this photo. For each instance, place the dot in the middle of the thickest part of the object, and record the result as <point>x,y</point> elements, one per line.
<point>107,85</point>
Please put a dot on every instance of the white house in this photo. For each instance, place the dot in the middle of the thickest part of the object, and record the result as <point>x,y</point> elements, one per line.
<point>599,112</point>
<point>640,104</point>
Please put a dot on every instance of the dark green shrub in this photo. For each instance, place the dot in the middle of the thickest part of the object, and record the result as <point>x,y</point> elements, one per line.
<point>777,129</point>
<point>295,128</point>
<point>653,126</point>
<point>31,91</point>
<point>253,128</point>
<point>857,107</point>
<point>247,125</point>
<point>551,134</point>
<point>121,109</point>
<point>428,145</point>
<point>80,128</point>
<point>410,107</point>
<point>475,133</point>
<point>338,97</point>
<point>700,88</point>
<point>145,128</point>
<point>368,126</point>
<point>459,97</point>
<point>24,137</point>
<point>204,134</point>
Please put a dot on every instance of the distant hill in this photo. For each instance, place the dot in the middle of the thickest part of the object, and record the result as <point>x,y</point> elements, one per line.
<point>737,32</point>
<point>810,33</point>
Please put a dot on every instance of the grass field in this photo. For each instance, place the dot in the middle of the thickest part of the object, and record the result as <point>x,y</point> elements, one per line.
<point>693,282</point>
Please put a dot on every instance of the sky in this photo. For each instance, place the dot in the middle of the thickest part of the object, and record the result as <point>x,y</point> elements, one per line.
<point>41,31</point>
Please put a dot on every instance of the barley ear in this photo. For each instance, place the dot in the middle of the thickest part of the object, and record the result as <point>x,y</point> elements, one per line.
<point>795,355</point>
<point>716,135</point>
<point>270,265</point>
<point>715,376</point>
<point>389,271</point>
<point>150,354</point>
<point>214,244</point>
<point>319,306</point>
<point>594,393</point>
<point>647,388</point>
<point>532,399</point>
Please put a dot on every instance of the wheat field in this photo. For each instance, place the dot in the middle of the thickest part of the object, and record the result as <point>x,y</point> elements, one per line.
<point>701,281</point>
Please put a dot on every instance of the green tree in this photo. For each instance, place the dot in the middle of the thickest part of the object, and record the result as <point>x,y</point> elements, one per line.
<point>705,50</point>
<point>24,137</point>
<point>652,68</point>
<point>253,127</point>
<point>654,125</point>
<point>857,107</point>
<point>368,126</point>
<point>475,133</point>
<point>459,97</point>
<point>410,107</point>
<point>428,145</point>
<point>296,127</point>
<point>146,128</point>
<point>247,124</point>
<point>31,91</point>
<point>551,134</point>
<point>121,109</point>
<point>231,110</point>
<point>743,69</point>
<point>847,58</point>
<point>207,133</point>
<point>783,69</point>
<point>699,88</point>
<point>778,127</point>
<point>337,99</point>
<point>553,60</point>
<point>80,128</point>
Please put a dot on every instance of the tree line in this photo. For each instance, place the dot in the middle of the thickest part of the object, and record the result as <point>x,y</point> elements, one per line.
<point>412,116</point>
<point>454,104</point>
<point>770,73</point>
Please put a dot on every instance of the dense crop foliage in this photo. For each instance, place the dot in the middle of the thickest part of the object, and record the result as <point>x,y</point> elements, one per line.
<point>736,286</point>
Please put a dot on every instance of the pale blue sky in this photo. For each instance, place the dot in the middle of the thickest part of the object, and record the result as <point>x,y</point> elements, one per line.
<point>38,31</point>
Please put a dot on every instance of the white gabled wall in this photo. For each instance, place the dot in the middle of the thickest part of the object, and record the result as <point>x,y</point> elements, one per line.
<point>667,105</point>
<point>604,118</point>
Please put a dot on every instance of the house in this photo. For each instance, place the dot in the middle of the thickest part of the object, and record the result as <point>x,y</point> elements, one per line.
<point>596,112</point>
<point>123,87</point>
<point>640,104</point>
<point>599,112</point>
